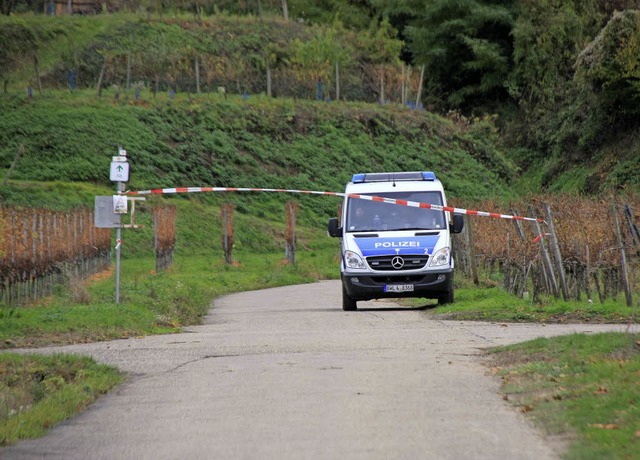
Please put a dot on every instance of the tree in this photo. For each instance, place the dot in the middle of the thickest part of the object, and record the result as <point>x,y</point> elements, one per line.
<point>317,57</point>
<point>548,35</point>
<point>607,79</point>
<point>383,49</point>
<point>557,112</point>
<point>353,14</point>
<point>6,6</point>
<point>610,64</point>
<point>466,47</point>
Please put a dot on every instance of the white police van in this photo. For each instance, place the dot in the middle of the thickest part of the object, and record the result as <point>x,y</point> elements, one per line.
<point>390,250</point>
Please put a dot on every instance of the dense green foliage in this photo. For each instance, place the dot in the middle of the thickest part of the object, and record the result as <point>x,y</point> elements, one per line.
<point>608,75</point>
<point>574,85</point>
<point>561,75</point>
<point>467,48</point>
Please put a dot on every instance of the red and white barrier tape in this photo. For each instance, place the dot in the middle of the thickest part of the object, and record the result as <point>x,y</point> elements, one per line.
<point>413,204</point>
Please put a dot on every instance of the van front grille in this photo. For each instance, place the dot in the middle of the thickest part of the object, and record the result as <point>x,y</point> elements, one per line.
<point>397,263</point>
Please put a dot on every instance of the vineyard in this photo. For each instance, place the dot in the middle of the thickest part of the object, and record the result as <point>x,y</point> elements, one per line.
<point>41,248</point>
<point>586,247</point>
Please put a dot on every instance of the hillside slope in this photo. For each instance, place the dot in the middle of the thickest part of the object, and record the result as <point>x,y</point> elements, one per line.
<point>214,141</point>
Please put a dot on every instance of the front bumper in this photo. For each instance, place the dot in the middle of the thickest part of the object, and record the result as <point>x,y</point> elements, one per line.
<point>369,286</point>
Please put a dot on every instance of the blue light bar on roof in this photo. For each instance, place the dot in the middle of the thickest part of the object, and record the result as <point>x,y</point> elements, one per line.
<point>392,177</point>
<point>358,178</point>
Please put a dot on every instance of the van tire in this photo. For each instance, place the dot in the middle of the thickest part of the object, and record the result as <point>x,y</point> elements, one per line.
<point>348,304</point>
<point>445,298</point>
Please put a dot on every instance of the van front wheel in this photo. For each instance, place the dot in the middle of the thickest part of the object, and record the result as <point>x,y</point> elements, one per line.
<point>445,298</point>
<point>348,304</point>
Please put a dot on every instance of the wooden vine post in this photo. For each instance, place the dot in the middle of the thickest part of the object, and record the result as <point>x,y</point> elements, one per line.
<point>227,231</point>
<point>556,252</point>
<point>164,235</point>
<point>471,253</point>
<point>545,256</point>
<point>587,256</point>
<point>623,257</point>
<point>520,290</point>
<point>291,209</point>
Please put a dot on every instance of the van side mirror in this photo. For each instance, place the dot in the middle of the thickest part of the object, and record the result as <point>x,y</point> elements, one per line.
<point>334,229</point>
<point>458,223</point>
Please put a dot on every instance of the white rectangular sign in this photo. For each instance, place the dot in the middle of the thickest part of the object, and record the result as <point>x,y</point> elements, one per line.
<point>119,171</point>
<point>104,217</point>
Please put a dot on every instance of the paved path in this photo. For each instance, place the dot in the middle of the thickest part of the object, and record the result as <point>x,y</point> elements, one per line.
<point>286,374</point>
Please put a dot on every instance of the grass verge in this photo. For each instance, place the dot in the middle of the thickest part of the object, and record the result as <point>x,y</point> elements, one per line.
<point>36,392</point>
<point>489,302</point>
<point>583,388</point>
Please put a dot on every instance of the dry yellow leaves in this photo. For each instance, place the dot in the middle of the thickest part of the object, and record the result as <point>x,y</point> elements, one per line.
<point>605,426</point>
<point>601,390</point>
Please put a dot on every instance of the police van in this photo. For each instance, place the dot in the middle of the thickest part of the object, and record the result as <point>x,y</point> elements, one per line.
<point>390,250</point>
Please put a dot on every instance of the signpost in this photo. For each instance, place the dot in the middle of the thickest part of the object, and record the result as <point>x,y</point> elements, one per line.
<point>120,175</point>
<point>109,209</point>
<point>120,168</point>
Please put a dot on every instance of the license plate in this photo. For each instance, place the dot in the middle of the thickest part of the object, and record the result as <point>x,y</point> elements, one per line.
<point>398,288</point>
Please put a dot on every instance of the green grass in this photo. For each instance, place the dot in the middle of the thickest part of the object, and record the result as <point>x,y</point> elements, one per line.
<point>489,302</point>
<point>581,387</point>
<point>37,392</point>
<point>276,143</point>
<point>495,304</point>
<point>55,195</point>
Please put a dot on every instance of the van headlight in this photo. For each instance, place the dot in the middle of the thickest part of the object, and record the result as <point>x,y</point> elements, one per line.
<point>440,258</point>
<point>353,260</point>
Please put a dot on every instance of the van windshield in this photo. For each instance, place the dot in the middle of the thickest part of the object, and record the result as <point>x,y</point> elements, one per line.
<point>365,215</point>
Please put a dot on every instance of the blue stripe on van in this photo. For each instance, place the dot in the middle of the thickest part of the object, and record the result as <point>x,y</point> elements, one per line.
<point>397,245</point>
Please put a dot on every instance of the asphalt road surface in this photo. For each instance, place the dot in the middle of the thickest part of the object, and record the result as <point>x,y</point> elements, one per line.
<point>285,374</point>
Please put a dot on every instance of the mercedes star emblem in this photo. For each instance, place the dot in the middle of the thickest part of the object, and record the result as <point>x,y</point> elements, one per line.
<point>397,262</point>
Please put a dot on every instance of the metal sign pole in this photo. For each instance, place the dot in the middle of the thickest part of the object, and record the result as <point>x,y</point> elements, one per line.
<point>119,174</point>
<point>118,244</point>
